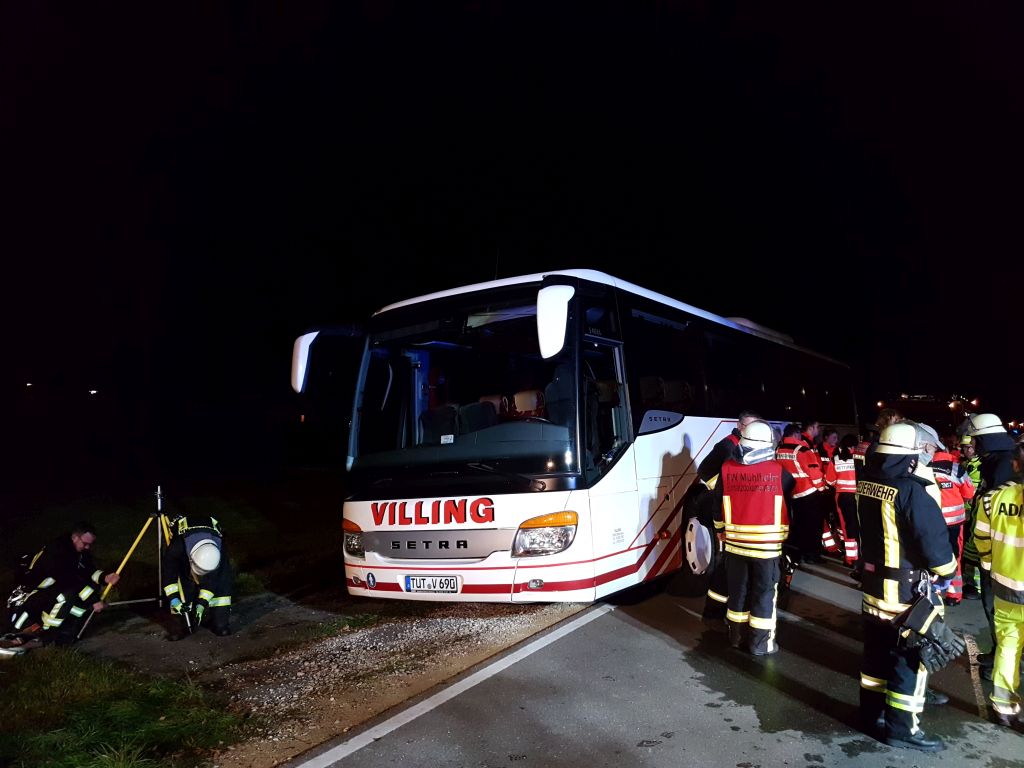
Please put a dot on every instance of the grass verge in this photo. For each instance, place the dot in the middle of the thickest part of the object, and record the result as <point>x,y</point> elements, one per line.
<point>60,709</point>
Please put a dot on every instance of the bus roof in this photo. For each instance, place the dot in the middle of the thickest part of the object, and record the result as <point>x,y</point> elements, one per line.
<point>596,276</point>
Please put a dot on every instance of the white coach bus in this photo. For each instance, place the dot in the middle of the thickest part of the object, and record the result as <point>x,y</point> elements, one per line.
<point>532,438</point>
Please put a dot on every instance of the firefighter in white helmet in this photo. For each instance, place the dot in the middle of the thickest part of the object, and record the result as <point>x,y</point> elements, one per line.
<point>753,495</point>
<point>197,576</point>
<point>903,538</point>
<point>999,537</point>
<point>997,451</point>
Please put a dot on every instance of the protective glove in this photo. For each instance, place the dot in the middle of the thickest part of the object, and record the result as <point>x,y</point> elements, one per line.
<point>176,606</point>
<point>942,585</point>
<point>200,610</point>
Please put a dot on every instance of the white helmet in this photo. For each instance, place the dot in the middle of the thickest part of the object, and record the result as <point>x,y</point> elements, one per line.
<point>926,434</point>
<point>899,438</point>
<point>205,557</point>
<point>984,424</point>
<point>757,434</point>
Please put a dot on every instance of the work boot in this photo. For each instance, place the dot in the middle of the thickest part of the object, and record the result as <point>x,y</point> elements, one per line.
<point>920,741</point>
<point>936,698</point>
<point>715,623</point>
<point>736,634</point>
<point>1008,721</point>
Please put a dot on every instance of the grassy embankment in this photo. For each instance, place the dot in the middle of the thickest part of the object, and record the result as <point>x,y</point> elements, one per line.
<point>62,708</point>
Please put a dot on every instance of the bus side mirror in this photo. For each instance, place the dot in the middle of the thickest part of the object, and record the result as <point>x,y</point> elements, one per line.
<point>300,360</point>
<point>552,318</point>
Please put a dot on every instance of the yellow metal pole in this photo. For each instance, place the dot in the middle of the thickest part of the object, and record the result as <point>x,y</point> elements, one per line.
<point>134,545</point>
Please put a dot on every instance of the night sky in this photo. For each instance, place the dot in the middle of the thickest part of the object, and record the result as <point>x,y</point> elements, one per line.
<point>183,193</point>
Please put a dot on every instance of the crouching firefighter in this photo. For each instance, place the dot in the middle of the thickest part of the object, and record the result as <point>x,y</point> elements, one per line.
<point>752,519</point>
<point>904,541</point>
<point>197,576</point>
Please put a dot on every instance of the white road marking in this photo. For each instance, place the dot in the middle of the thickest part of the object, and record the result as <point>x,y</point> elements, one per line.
<point>343,750</point>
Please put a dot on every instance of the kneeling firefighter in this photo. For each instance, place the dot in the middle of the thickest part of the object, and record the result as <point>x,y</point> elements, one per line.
<point>197,576</point>
<point>905,548</point>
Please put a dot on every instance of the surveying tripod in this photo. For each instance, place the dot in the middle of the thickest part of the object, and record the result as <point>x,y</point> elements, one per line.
<point>163,539</point>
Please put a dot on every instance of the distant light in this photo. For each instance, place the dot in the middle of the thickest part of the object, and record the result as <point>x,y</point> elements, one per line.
<point>880,404</point>
<point>93,391</point>
<point>905,396</point>
<point>953,405</point>
<point>302,418</point>
<point>28,383</point>
<point>974,401</point>
<point>1013,424</point>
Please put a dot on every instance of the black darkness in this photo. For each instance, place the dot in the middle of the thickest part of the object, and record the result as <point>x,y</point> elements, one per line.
<point>183,193</point>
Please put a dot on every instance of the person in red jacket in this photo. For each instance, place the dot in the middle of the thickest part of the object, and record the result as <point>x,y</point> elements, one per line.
<point>956,489</point>
<point>752,520</point>
<point>808,512</point>
<point>841,475</point>
<point>699,506</point>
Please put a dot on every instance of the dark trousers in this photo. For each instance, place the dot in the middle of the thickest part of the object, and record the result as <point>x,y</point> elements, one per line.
<point>715,604</point>
<point>806,526</point>
<point>892,680</point>
<point>43,610</point>
<point>987,603</point>
<point>753,589</point>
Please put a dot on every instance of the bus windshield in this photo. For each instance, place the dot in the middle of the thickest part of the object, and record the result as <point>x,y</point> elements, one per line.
<point>459,384</point>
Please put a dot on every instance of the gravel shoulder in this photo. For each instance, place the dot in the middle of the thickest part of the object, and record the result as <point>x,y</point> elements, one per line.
<point>308,671</point>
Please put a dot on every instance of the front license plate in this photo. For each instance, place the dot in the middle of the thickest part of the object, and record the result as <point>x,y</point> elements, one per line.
<point>431,583</point>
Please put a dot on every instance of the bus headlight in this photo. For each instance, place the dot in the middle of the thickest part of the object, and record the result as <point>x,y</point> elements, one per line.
<point>353,536</point>
<point>545,535</point>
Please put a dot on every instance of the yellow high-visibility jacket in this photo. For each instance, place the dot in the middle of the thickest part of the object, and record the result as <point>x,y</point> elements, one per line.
<point>999,538</point>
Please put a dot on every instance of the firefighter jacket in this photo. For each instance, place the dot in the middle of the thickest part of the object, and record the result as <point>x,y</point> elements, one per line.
<point>903,535</point>
<point>841,473</point>
<point>726,448</point>
<point>212,589</point>
<point>973,469</point>
<point>999,538</point>
<point>955,487</point>
<point>73,574</point>
<point>803,464</point>
<point>753,512</point>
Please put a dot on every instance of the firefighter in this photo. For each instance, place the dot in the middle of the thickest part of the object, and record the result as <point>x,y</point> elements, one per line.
<point>752,520</point>
<point>970,463</point>
<point>956,489</point>
<point>997,451</point>
<point>999,537</point>
<point>60,584</point>
<point>700,506</point>
<point>808,511</point>
<point>903,537</point>
<point>197,576</point>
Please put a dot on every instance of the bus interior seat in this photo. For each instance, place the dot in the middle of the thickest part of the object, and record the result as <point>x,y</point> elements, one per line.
<point>439,421</point>
<point>476,416</point>
<point>527,403</point>
<point>500,403</point>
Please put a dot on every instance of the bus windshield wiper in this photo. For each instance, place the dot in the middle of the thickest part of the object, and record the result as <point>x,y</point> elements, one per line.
<point>533,483</point>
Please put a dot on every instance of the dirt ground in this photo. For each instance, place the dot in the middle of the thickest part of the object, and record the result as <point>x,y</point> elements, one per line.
<point>305,671</point>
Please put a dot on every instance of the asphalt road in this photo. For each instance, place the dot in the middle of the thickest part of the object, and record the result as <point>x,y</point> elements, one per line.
<point>644,684</point>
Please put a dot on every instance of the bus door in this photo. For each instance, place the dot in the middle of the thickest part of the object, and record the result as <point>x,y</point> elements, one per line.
<point>617,524</point>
